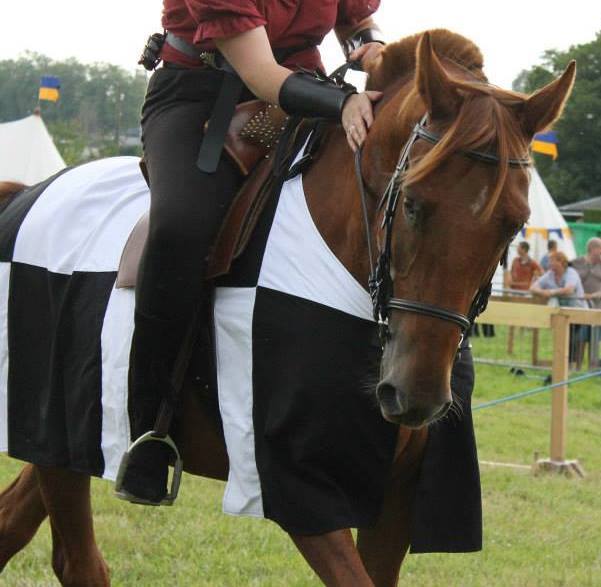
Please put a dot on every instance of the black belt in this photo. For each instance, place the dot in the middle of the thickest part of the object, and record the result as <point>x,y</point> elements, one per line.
<point>213,59</point>
<point>229,95</point>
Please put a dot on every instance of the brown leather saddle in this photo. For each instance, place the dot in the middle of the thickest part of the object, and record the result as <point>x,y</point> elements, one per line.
<point>253,133</point>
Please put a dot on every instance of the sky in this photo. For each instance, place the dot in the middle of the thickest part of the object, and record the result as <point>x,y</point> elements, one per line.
<point>512,34</point>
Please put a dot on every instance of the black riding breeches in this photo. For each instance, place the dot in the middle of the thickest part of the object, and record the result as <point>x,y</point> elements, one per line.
<point>187,205</point>
<point>186,210</point>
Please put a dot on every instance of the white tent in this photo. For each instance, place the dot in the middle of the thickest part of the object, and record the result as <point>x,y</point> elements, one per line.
<point>545,223</point>
<point>27,153</point>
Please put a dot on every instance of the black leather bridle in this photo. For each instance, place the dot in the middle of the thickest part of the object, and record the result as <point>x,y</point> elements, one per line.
<point>380,282</point>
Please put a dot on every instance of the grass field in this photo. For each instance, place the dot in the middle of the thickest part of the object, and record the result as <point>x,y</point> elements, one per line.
<point>539,531</point>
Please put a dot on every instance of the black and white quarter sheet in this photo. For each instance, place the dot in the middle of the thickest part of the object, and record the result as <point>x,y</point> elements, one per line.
<point>296,349</point>
<point>307,445</point>
<point>65,329</point>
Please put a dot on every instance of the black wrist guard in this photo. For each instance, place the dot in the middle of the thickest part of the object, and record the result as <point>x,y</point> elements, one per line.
<point>361,38</point>
<point>309,96</point>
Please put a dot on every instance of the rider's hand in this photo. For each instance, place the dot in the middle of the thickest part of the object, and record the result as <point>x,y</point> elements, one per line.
<point>357,116</point>
<point>367,54</point>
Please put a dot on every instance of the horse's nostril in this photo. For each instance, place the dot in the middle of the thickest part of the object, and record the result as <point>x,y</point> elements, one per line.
<point>390,400</point>
<point>385,392</point>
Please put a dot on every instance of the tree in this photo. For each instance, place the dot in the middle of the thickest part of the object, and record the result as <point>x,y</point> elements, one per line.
<point>98,103</point>
<point>576,174</point>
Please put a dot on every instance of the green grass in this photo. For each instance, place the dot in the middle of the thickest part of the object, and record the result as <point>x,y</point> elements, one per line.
<point>539,531</point>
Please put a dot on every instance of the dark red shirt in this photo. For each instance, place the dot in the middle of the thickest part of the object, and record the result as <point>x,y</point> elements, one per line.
<point>289,23</point>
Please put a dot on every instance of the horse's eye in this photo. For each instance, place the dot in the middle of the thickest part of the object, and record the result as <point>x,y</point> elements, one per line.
<point>410,210</point>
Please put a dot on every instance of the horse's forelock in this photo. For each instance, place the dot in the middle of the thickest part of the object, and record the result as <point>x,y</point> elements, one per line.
<point>487,120</point>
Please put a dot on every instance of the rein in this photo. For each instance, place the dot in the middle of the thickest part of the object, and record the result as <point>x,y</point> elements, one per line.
<point>380,282</point>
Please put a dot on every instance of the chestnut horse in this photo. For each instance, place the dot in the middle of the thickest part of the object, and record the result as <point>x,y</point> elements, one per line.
<point>462,194</point>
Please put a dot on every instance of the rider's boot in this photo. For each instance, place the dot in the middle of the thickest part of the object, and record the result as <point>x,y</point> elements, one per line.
<point>155,345</point>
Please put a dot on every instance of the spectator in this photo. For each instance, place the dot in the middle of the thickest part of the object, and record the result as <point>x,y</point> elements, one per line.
<point>551,248</point>
<point>589,269</point>
<point>524,269</point>
<point>562,282</point>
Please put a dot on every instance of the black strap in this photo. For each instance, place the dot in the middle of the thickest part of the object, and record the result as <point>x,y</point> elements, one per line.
<point>366,223</point>
<point>180,368</point>
<point>491,158</point>
<point>221,117</point>
<point>429,310</point>
<point>360,38</point>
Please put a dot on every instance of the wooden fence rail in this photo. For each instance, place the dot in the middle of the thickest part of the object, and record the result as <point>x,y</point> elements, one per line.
<point>558,320</point>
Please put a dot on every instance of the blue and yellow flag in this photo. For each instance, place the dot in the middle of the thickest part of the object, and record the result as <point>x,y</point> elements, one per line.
<point>49,87</point>
<point>546,143</point>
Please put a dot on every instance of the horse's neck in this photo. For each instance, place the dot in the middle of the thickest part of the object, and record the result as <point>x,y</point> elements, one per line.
<point>331,193</point>
<point>331,186</point>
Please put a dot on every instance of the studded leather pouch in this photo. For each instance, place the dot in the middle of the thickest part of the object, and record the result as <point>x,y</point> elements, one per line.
<point>254,131</point>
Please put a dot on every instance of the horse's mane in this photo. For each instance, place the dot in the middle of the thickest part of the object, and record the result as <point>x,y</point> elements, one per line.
<point>399,59</point>
<point>485,120</point>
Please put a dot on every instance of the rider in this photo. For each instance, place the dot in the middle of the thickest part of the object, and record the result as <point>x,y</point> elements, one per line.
<point>188,204</point>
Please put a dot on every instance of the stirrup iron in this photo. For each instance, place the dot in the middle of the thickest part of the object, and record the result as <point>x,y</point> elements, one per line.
<point>178,468</point>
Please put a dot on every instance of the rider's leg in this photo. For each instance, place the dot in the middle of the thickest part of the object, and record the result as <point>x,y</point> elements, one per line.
<point>187,208</point>
<point>21,513</point>
<point>334,557</point>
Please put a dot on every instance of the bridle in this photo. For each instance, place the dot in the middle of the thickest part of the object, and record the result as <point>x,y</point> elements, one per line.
<point>380,281</point>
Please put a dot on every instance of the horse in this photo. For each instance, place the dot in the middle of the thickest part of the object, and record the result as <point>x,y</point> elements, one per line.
<point>461,185</point>
<point>8,190</point>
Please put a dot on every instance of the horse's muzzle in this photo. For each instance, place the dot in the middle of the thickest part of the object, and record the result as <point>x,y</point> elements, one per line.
<point>399,408</point>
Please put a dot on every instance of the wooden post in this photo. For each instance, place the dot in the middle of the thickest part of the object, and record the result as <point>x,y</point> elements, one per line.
<point>510,337</point>
<point>560,326</point>
<point>535,346</point>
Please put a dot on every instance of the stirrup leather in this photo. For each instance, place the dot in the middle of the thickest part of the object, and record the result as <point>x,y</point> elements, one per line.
<point>178,468</point>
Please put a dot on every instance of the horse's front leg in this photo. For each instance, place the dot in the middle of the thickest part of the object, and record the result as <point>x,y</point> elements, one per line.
<point>76,559</point>
<point>334,557</point>
<point>384,546</point>
<point>21,513</point>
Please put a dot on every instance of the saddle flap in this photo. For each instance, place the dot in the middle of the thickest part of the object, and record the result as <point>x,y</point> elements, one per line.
<point>241,220</point>
<point>132,253</point>
<point>232,238</point>
<point>246,207</point>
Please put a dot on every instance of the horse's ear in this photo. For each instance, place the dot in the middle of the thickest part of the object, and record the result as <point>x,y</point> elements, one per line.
<point>434,86</point>
<point>544,107</point>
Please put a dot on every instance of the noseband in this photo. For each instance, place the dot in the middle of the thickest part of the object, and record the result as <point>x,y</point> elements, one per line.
<point>380,282</point>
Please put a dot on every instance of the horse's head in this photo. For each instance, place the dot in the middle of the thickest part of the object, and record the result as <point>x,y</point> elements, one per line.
<point>462,197</point>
